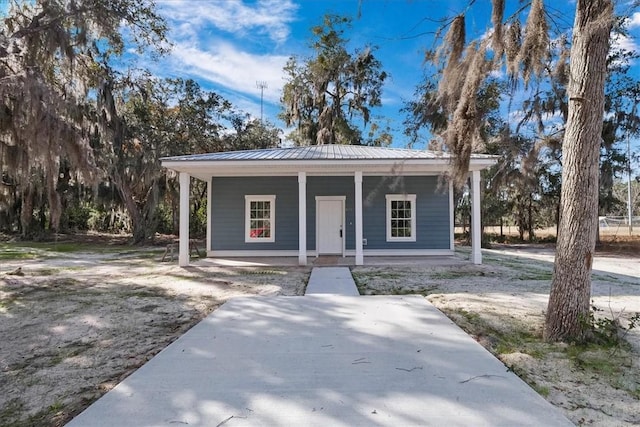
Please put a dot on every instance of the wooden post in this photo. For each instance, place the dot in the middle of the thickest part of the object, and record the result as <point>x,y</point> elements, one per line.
<point>183,253</point>
<point>358,213</point>
<point>476,232</point>
<point>302,218</point>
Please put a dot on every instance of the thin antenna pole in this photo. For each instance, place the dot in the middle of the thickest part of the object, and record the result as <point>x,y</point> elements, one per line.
<point>262,85</point>
<point>629,206</point>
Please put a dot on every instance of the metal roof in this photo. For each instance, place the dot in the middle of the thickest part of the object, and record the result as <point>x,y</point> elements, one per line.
<point>319,152</point>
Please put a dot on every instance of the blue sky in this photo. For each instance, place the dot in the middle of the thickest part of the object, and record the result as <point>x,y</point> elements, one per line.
<point>229,45</point>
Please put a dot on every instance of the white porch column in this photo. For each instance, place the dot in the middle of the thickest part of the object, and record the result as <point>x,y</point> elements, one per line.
<point>476,232</point>
<point>452,218</point>
<point>358,214</point>
<point>183,254</point>
<point>302,218</point>
<point>209,210</point>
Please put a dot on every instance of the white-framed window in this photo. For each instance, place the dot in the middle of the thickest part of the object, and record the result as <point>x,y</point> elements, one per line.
<point>401,217</point>
<point>260,214</point>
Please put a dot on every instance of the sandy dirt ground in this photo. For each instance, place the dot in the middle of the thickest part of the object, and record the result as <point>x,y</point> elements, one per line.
<point>75,324</point>
<point>502,304</point>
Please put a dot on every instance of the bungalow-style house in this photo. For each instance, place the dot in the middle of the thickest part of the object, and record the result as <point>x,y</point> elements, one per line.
<point>318,200</point>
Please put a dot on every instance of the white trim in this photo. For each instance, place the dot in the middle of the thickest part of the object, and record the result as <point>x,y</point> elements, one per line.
<point>350,253</point>
<point>183,242</point>
<point>302,218</point>
<point>357,178</point>
<point>476,232</point>
<point>407,252</point>
<point>204,168</point>
<point>248,198</point>
<point>253,253</point>
<point>400,197</point>
<point>209,210</point>
<point>452,218</point>
<point>342,199</point>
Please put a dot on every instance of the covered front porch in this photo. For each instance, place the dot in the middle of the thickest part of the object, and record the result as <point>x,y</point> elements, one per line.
<point>302,257</point>
<point>349,176</point>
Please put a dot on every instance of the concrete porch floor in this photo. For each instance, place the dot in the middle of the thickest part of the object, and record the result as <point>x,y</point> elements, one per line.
<point>329,260</point>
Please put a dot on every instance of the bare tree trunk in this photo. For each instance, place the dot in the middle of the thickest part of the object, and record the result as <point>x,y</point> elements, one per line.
<point>136,217</point>
<point>571,285</point>
<point>530,219</point>
<point>26,212</point>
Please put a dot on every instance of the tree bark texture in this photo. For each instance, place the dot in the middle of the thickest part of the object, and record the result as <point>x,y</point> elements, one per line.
<point>571,285</point>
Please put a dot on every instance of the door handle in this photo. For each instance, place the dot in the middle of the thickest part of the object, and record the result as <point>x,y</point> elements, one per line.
<point>340,231</point>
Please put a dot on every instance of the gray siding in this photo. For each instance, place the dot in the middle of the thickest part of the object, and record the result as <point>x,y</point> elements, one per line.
<point>228,216</point>
<point>228,205</point>
<point>432,211</point>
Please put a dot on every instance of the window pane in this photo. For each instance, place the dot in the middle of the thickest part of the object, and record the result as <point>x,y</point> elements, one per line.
<point>260,215</point>
<point>400,218</point>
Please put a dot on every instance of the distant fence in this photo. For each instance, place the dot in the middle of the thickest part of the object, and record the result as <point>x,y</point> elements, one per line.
<point>608,226</point>
<point>618,221</point>
<point>618,224</point>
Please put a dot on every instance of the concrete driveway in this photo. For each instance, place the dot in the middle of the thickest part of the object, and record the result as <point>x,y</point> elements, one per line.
<point>323,360</point>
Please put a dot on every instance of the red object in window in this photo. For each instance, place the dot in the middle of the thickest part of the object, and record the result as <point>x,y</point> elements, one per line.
<point>259,232</point>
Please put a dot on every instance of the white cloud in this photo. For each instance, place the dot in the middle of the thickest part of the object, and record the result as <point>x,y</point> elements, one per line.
<point>634,20</point>
<point>225,65</point>
<point>264,17</point>
<point>624,42</point>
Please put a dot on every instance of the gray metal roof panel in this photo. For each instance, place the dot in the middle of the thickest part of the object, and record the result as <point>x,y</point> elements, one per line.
<point>320,152</point>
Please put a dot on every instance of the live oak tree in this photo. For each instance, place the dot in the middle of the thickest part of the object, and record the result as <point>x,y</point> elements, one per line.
<point>151,118</point>
<point>571,285</point>
<point>53,60</point>
<point>523,51</point>
<point>326,92</point>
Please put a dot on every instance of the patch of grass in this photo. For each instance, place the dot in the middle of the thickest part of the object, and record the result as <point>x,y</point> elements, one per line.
<point>52,415</point>
<point>45,271</point>
<point>521,269</point>
<point>52,271</point>
<point>378,274</point>
<point>143,293</point>
<point>454,274</point>
<point>39,248</point>
<point>595,358</point>
<point>16,255</point>
<point>56,406</point>
<point>600,360</point>
<point>541,389</point>
<point>266,272</point>
<point>6,303</point>
<point>140,253</point>
<point>509,263</point>
<point>362,279</point>
<point>607,365</point>
<point>513,336</point>
<point>72,350</point>
<point>11,411</point>
<point>536,275</point>
<point>424,290</point>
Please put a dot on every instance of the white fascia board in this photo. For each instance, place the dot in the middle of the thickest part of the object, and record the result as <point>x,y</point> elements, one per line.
<point>247,168</point>
<point>480,164</point>
<point>205,169</point>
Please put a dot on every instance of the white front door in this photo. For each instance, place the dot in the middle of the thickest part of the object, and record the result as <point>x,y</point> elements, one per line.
<point>330,227</point>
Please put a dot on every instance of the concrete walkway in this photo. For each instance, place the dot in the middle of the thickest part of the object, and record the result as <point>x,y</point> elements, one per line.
<point>323,360</point>
<point>331,280</point>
